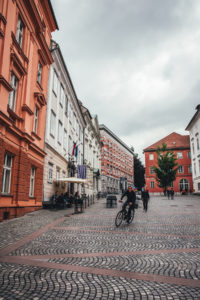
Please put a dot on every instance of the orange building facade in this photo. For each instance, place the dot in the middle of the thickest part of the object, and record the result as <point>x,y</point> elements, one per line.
<point>117,163</point>
<point>180,145</point>
<point>25,34</point>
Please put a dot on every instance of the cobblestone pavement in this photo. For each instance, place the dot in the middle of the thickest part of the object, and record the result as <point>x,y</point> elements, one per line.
<point>59,255</point>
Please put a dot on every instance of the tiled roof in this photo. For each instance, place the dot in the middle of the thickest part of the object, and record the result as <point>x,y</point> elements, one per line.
<point>173,141</point>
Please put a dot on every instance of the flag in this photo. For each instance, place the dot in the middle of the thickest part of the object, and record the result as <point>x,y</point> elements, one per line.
<point>76,151</point>
<point>81,171</point>
<point>73,150</point>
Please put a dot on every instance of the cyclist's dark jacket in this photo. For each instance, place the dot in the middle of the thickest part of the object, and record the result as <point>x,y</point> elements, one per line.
<point>131,197</point>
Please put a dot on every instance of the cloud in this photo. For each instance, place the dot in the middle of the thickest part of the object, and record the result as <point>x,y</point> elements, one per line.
<point>133,63</point>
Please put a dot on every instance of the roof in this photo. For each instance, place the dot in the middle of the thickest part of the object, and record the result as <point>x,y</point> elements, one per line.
<point>193,118</point>
<point>174,141</point>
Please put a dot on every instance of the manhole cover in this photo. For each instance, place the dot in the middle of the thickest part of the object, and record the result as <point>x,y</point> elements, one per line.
<point>174,205</point>
<point>189,205</point>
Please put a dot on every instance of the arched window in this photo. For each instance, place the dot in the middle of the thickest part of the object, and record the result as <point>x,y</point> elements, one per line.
<point>184,185</point>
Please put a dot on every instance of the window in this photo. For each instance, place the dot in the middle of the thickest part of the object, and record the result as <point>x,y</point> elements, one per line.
<point>50,172</point>
<point>13,93</point>
<point>180,169</point>
<point>65,140</point>
<point>179,155</point>
<point>151,170</point>
<point>32,182</point>
<point>39,73</point>
<point>189,154</point>
<point>62,96</point>
<point>70,145</point>
<point>59,132</point>
<point>66,105</point>
<point>172,184</point>
<point>189,169</point>
<point>55,83</point>
<point>184,185</point>
<point>195,171</point>
<point>151,156</point>
<point>193,148</point>
<point>20,30</point>
<point>152,184</point>
<point>57,175</point>
<point>36,119</point>
<point>53,123</point>
<point>7,171</point>
<point>197,143</point>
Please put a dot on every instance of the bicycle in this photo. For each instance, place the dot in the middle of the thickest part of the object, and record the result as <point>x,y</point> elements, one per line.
<point>122,216</point>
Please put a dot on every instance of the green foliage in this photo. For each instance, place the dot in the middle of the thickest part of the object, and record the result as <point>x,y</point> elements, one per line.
<point>167,167</point>
<point>139,171</point>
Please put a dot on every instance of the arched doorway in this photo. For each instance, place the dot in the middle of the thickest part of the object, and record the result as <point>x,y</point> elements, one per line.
<point>184,185</point>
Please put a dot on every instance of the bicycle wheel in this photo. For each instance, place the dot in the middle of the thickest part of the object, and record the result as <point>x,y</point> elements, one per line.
<point>118,219</point>
<point>132,216</point>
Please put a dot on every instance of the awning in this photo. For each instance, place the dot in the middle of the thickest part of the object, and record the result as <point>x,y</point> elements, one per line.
<point>71,180</point>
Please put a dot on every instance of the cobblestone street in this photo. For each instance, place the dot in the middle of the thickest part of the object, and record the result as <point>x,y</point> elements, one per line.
<point>58,255</point>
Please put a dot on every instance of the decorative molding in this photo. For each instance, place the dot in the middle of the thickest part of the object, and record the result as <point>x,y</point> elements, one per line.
<point>1,33</point>
<point>17,63</point>
<point>42,57</point>
<point>19,49</point>
<point>5,83</point>
<point>27,109</point>
<point>35,135</point>
<point>41,99</point>
<point>13,115</point>
<point>3,19</point>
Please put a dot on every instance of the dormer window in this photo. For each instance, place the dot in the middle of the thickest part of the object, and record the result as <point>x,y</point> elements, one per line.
<point>20,31</point>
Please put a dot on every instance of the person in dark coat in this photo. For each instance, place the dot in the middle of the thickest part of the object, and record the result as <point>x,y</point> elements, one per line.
<point>145,198</point>
<point>172,193</point>
<point>131,198</point>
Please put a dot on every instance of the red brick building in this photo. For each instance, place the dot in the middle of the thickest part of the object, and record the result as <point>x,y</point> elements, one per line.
<point>116,163</point>
<point>25,34</point>
<point>180,145</point>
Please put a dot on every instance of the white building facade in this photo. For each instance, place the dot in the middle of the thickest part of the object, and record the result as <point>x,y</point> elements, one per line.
<point>92,153</point>
<point>64,127</point>
<point>194,130</point>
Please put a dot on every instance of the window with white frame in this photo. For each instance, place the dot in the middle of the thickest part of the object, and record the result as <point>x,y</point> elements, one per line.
<point>39,73</point>
<point>189,154</point>
<point>151,170</point>
<point>197,143</point>
<point>151,156</point>
<point>53,123</point>
<point>57,174</point>
<point>55,83</point>
<point>20,31</point>
<point>59,132</point>
<point>152,184</point>
<point>66,105</point>
<point>180,169</point>
<point>195,171</point>
<point>50,172</point>
<point>13,94</point>
<point>35,126</point>
<point>179,155</point>
<point>32,182</point>
<point>62,96</point>
<point>7,172</point>
<point>190,169</point>
<point>65,140</point>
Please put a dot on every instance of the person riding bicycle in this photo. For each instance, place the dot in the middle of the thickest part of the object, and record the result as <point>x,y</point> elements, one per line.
<point>131,197</point>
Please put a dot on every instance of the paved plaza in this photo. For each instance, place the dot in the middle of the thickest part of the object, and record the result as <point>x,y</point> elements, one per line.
<point>52,254</point>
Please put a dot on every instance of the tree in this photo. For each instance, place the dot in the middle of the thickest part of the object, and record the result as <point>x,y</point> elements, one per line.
<point>167,167</point>
<point>139,171</point>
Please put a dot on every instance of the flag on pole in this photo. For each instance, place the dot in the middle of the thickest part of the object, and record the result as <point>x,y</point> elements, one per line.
<point>73,150</point>
<point>76,151</point>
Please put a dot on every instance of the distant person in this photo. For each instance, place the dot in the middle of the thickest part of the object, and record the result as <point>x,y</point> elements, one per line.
<point>168,193</point>
<point>172,193</point>
<point>145,199</point>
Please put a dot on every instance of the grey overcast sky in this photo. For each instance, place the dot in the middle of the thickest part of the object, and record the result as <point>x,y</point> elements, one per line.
<point>134,63</point>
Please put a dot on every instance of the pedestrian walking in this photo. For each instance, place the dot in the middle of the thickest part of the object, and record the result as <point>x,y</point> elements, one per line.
<point>168,193</point>
<point>145,199</point>
<point>172,193</point>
